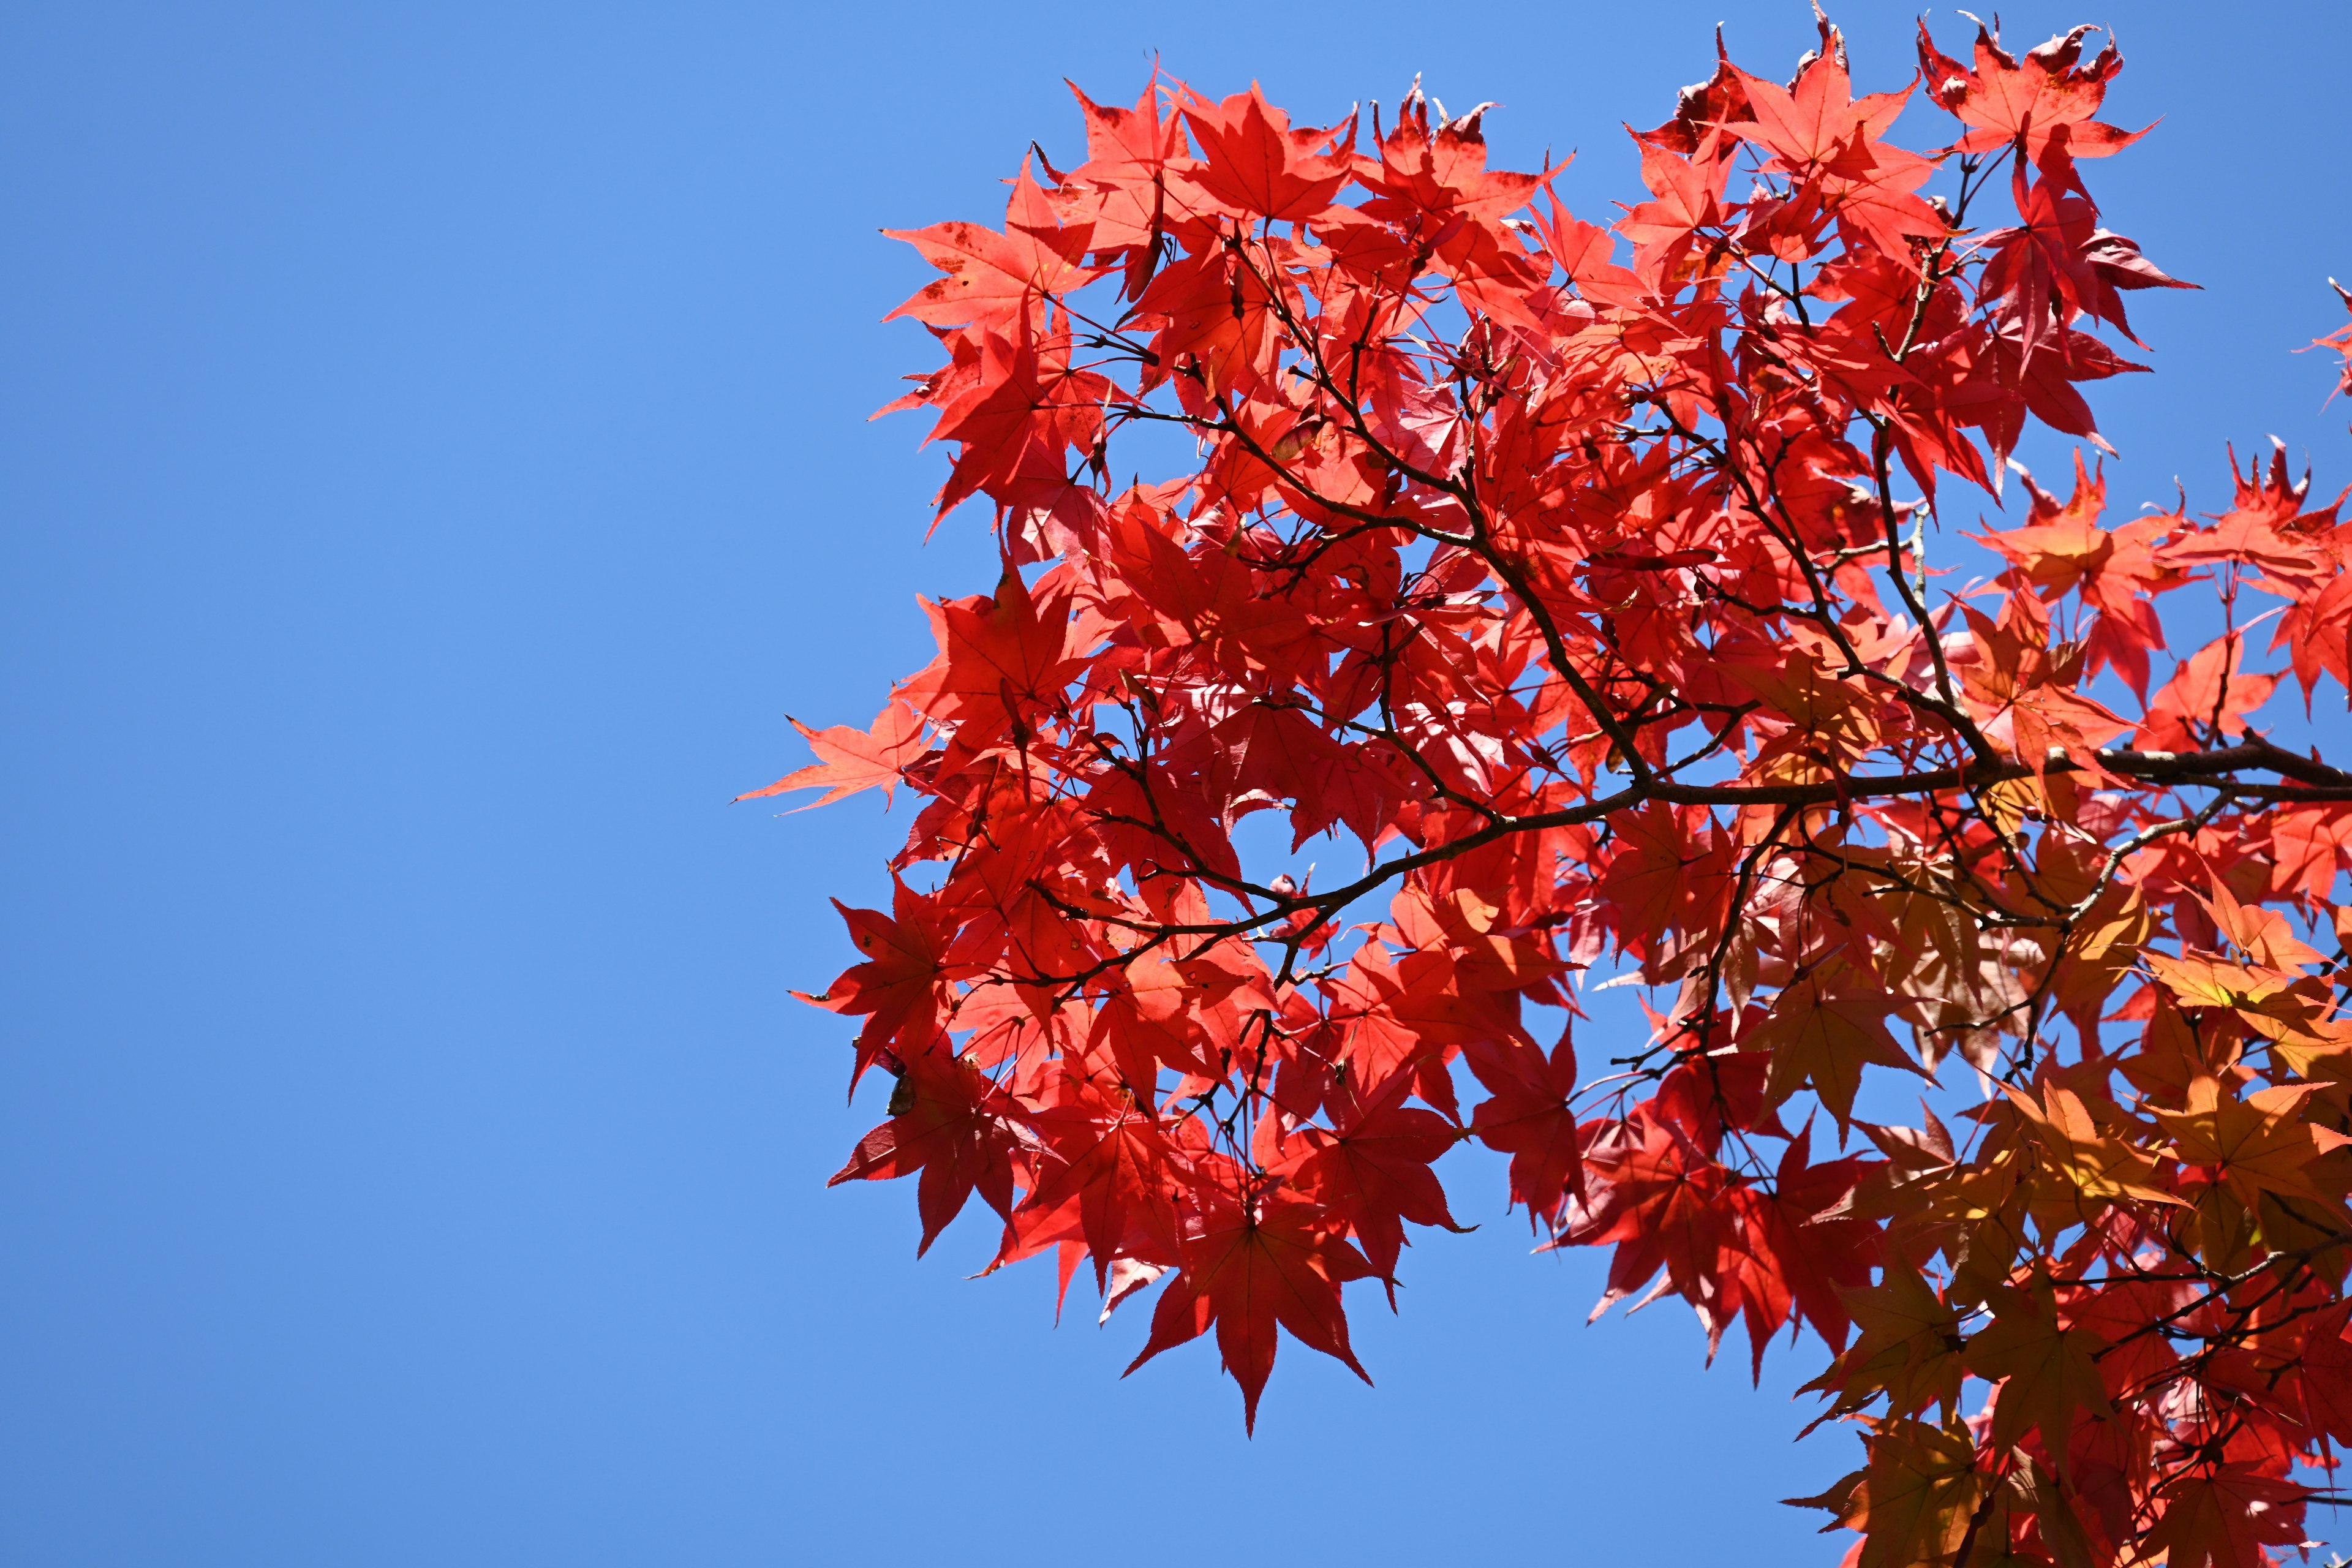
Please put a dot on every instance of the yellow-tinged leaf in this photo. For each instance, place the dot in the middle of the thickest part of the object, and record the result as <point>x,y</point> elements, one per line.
<point>2203,982</point>
<point>2262,934</point>
<point>1823,1034</point>
<point>2175,1052</point>
<point>2099,1165</point>
<point>2310,1046</point>
<point>2262,1144</point>
<point>1908,1347</point>
<point>1918,1496</point>
<point>2050,1371</point>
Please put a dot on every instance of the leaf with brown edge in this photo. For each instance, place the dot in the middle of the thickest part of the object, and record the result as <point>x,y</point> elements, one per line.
<point>2050,97</point>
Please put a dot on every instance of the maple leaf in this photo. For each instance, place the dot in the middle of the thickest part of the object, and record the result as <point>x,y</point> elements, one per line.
<point>1529,1116</point>
<point>2224,1517</point>
<point>1689,195</point>
<point>2050,96</point>
<point>2035,373</point>
<point>1796,1252</point>
<point>2038,274</point>
<point>1907,1348</point>
<point>901,983</point>
<point>1916,1499</point>
<point>1442,171</point>
<point>2268,529</point>
<point>1107,1158</point>
<point>993,279</point>
<point>2310,842</point>
<point>1372,1165</point>
<point>1021,408</point>
<point>1815,121</point>
<point>2027,696</point>
<point>1653,1195</point>
<point>1254,160</point>
<point>1485,956</point>
<point>1000,655</point>
<point>2205,982</point>
<point>1219,312</point>
<point>2099,1165</point>
<point>2258,1144</point>
<point>1408,1011</point>
<point>949,1122</point>
<point>2200,695</point>
<point>851,760</point>
<point>2264,935</point>
<point>1721,1095</point>
<point>1436,187</point>
<point>1250,1266</point>
<point>2325,1375</point>
<point>1119,195</point>
<point>1667,862</point>
<point>2317,632</point>
<point>2065,549</point>
<point>2047,1371</point>
<point>2111,265</point>
<point>1822,1030</point>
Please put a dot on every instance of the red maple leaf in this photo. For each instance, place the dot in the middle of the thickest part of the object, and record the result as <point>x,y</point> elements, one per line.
<point>1528,1115</point>
<point>1253,161</point>
<point>1002,655</point>
<point>851,760</point>
<point>1252,1265</point>
<point>949,1122</point>
<point>1657,1199</point>
<point>1372,1165</point>
<point>994,279</point>
<point>901,983</point>
<point>2197,699</point>
<point>1105,1158</point>
<point>2050,96</point>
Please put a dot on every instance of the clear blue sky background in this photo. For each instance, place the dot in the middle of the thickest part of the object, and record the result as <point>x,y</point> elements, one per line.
<point>434,459</point>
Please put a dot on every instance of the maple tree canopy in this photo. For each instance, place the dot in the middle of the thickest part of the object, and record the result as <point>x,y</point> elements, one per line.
<point>1582,582</point>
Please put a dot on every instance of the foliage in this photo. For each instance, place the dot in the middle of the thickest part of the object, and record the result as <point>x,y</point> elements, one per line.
<point>1583,577</point>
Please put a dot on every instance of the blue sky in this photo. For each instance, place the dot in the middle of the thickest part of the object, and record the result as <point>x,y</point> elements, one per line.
<point>433,460</point>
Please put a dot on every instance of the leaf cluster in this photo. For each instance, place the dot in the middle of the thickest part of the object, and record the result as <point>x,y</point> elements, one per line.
<point>1581,576</point>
